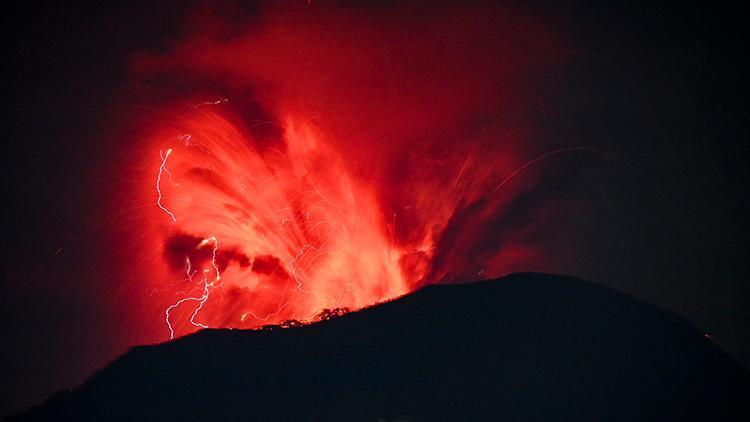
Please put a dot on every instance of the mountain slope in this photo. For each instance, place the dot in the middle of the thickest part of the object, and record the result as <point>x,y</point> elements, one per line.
<point>525,347</point>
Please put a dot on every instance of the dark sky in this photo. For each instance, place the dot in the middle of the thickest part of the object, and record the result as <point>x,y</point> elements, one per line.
<point>660,87</point>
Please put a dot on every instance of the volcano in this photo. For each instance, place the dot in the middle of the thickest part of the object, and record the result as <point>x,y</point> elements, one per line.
<point>524,347</point>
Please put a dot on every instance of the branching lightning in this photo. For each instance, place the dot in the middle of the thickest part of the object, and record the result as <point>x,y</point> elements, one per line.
<point>190,273</point>
<point>206,287</point>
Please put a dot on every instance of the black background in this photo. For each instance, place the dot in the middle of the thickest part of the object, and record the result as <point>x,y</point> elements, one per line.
<point>660,86</point>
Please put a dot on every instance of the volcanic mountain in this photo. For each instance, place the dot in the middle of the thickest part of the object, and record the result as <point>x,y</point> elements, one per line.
<point>524,347</point>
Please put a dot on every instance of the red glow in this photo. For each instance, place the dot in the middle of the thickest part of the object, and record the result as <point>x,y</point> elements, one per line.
<point>297,235</point>
<point>313,172</point>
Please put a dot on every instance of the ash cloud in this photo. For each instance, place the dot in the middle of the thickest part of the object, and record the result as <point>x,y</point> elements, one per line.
<point>405,92</point>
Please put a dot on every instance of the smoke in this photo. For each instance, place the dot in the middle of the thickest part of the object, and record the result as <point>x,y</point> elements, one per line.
<point>339,155</point>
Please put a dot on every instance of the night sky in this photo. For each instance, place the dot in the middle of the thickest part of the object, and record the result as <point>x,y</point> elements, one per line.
<point>659,89</point>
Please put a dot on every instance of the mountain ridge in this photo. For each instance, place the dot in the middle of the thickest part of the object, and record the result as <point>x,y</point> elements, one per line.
<point>524,347</point>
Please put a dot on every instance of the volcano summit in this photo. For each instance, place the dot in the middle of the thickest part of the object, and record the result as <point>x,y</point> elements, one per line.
<point>524,347</point>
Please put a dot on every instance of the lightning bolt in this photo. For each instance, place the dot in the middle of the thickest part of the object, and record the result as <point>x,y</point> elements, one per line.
<point>215,268</point>
<point>206,287</point>
<point>162,170</point>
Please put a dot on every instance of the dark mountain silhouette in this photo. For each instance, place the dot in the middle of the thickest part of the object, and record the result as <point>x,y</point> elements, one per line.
<point>525,347</point>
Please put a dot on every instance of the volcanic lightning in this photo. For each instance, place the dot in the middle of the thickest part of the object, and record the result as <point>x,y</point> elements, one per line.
<point>162,170</point>
<point>287,217</point>
<point>289,197</point>
<point>206,286</point>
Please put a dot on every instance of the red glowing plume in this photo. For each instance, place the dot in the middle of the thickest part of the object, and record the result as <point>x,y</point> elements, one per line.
<point>325,161</point>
